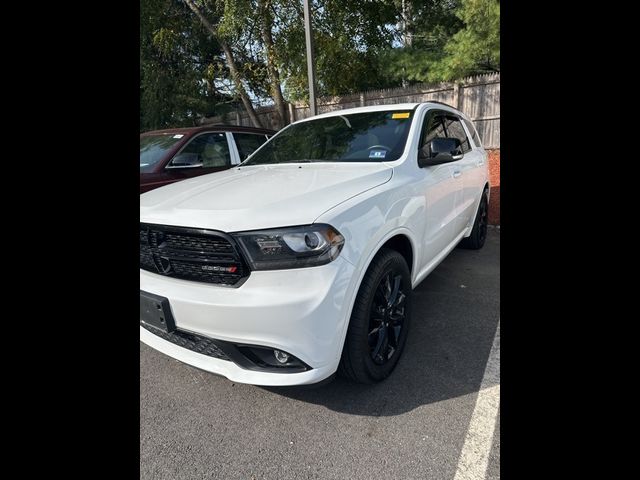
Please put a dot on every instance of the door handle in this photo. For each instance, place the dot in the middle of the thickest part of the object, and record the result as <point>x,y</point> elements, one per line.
<point>457,173</point>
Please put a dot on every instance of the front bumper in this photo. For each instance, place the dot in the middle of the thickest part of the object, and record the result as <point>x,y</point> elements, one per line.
<point>303,312</point>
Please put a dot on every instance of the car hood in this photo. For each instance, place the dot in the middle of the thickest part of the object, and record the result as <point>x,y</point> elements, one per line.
<point>264,196</point>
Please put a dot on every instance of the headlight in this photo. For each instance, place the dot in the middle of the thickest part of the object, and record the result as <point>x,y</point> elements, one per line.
<point>291,247</point>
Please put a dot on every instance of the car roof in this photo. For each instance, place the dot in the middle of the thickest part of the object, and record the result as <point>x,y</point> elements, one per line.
<point>210,128</point>
<point>381,108</point>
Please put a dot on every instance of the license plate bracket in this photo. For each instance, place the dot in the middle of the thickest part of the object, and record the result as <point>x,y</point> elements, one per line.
<point>155,311</point>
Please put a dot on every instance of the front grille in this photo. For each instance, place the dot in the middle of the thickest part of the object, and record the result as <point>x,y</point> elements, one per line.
<point>190,341</point>
<point>191,254</point>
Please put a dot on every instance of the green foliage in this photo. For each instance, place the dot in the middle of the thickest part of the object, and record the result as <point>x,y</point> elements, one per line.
<point>239,25</point>
<point>349,36</point>
<point>359,45</point>
<point>450,41</point>
<point>178,66</point>
<point>476,48</point>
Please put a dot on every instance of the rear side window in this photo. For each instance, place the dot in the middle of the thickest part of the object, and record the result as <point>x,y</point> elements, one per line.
<point>474,133</point>
<point>248,143</point>
<point>455,130</point>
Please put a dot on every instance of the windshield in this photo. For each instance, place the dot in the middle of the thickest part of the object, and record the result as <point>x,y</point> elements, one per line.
<point>154,147</point>
<point>357,137</point>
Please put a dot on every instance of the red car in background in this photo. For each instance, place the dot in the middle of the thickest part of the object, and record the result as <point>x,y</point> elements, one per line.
<point>167,156</point>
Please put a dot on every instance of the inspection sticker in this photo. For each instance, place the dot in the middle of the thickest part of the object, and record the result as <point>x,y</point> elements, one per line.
<point>178,135</point>
<point>395,116</point>
<point>377,153</point>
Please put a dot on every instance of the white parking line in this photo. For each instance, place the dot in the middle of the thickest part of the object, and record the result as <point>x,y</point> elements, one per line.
<point>474,457</point>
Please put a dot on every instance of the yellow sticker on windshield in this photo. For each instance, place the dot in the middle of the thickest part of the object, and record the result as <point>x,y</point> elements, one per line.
<point>400,115</point>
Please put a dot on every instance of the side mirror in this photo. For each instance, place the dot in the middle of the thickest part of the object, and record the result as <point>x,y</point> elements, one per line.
<point>440,150</point>
<point>185,160</point>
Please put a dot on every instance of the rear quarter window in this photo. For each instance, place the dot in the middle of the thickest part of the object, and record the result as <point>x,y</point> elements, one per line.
<point>455,130</point>
<point>475,138</point>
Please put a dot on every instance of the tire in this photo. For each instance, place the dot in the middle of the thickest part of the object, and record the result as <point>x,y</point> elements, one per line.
<point>476,240</point>
<point>374,344</point>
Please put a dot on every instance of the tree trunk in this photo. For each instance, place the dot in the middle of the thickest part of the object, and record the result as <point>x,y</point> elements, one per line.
<point>237,79</point>
<point>235,74</point>
<point>266,21</point>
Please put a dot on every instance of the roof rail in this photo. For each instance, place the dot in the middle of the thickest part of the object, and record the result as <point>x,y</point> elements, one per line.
<point>441,103</point>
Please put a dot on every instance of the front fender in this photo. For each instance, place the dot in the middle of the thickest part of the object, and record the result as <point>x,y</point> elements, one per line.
<point>367,225</point>
<point>369,220</point>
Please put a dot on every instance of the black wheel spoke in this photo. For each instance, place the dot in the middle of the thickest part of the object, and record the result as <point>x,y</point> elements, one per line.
<point>387,288</point>
<point>381,345</point>
<point>395,334</point>
<point>386,318</point>
<point>373,336</point>
<point>399,300</point>
<point>394,292</point>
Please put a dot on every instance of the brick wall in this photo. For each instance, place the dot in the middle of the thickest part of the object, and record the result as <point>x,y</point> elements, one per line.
<point>494,181</point>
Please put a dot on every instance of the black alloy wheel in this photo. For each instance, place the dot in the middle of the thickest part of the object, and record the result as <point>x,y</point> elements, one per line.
<point>387,319</point>
<point>478,236</point>
<point>380,320</point>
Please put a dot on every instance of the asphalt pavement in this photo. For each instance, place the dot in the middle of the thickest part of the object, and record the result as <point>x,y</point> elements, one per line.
<point>414,425</point>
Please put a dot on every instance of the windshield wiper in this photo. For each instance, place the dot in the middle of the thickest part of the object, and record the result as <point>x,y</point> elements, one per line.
<point>302,160</point>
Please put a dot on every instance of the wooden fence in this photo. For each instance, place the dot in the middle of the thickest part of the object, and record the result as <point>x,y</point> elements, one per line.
<point>478,97</point>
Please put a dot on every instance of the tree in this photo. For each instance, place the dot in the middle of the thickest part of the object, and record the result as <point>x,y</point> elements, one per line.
<point>230,61</point>
<point>348,35</point>
<point>423,29</point>
<point>476,48</point>
<point>175,56</point>
<point>450,40</point>
<point>248,25</point>
<point>204,57</point>
<point>266,25</point>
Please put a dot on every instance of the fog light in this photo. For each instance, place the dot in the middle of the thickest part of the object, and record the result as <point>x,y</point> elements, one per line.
<point>281,356</point>
<point>270,359</point>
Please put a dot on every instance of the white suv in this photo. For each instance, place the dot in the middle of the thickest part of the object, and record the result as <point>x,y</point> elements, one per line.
<point>301,261</point>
